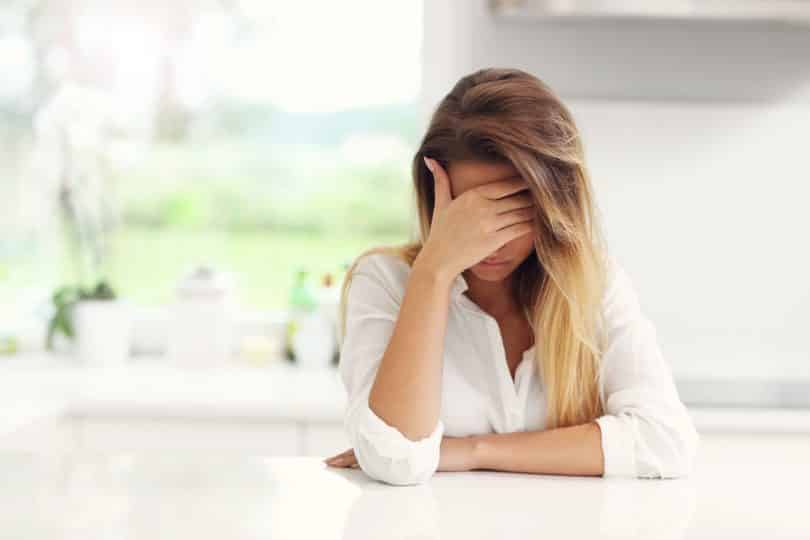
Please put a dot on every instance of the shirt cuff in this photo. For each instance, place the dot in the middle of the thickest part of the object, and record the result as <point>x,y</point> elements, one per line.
<point>618,445</point>
<point>388,441</point>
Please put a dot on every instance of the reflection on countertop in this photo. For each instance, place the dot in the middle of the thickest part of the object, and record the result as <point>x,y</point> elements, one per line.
<point>215,496</point>
<point>742,487</point>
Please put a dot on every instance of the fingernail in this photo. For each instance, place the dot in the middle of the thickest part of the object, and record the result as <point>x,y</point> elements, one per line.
<point>428,164</point>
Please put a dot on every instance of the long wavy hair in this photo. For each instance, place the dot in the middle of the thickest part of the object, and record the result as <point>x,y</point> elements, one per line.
<point>510,116</point>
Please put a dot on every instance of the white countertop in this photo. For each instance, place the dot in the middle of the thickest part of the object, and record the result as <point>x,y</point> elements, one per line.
<point>41,385</point>
<point>33,386</point>
<point>742,489</point>
<point>747,484</point>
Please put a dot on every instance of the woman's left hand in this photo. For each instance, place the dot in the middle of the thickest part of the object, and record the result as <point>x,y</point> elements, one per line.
<point>457,454</point>
<point>344,459</point>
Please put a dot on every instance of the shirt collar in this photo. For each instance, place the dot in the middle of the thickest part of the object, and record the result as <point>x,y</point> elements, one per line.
<point>459,286</point>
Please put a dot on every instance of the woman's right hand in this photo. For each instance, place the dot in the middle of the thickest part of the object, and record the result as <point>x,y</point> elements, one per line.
<point>471,227</point>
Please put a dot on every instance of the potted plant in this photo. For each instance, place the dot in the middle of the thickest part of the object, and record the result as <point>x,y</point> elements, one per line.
<point>95,319</point>
<point>73,136</point>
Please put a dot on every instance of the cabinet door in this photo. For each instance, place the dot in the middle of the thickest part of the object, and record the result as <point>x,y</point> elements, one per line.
<point>48,435</point>
<point>324,440</point>
<point>161,434</point>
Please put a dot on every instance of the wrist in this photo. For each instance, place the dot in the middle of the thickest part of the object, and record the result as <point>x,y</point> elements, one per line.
<point>433,271</point>
<point>478,451</point>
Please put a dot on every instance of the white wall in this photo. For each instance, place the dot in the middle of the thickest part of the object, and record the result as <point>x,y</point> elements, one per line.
<point>697,135</point>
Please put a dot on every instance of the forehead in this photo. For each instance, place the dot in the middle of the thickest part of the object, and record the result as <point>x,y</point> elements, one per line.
<point>466,175</point>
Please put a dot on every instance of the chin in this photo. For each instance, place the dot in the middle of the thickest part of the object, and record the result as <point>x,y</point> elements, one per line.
<point>494,273</point>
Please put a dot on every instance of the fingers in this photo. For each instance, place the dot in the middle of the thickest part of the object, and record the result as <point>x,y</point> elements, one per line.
<point>502,188</point>
<point>344,459</point>
<point>520,215</point>
<point>441,182</point>
<point>511,232</point>
<point>513,202</point>
<point>340,455</point>
<point>335,457</point>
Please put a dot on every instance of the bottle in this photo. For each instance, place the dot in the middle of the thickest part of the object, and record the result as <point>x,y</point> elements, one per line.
<point>329,303</point>
<point>314,340</point>
<point>302,301</point>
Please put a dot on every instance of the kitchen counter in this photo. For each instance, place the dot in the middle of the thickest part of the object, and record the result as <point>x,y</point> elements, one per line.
<point>103,463</point>
<point>742,488</point>
<point>34,386</point>
<point>41,385</point>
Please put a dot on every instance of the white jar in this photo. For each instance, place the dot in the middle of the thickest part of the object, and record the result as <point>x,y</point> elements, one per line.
<point>201,322</point>
<point>314,341</point>
<point>102,332</point>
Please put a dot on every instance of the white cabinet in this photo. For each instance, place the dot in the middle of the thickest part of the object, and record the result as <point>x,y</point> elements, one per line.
<point>323,439</point>
<point>162,434</point>
<point>51,402</point>
<point>44,435</point>
<point>187,435</point>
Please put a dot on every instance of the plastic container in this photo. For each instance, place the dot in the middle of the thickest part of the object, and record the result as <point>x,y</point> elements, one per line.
<point>102,332</point>
<point>201,332</point>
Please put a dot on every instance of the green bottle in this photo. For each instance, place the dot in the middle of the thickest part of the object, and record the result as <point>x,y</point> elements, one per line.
<point>302,300</point>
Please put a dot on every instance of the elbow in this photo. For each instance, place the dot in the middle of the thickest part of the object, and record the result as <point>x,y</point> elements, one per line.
<point>638,443</point>
<point>414,468</point>
<point>384,453</point>
<point>666,449</point>
<point>686,442</point>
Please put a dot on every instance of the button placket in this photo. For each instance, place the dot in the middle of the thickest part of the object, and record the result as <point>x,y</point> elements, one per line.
<point>508,390</point>
<point>524,372</point>
<point>522,383</point>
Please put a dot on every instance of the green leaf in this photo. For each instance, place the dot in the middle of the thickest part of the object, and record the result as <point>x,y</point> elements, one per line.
<point>64,300</point>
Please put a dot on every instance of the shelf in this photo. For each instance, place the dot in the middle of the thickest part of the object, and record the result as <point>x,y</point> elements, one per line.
<point>791,12</point>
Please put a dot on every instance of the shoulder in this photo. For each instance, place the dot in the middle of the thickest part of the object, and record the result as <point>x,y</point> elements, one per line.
<point>620,294</point>
<point>382,270</point>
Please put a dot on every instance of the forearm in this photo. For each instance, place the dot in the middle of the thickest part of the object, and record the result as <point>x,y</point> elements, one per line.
<point>407,389</point>
<point>574,450</point>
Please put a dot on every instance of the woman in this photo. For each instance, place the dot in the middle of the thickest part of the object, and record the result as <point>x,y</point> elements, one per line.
<point>505,338</point>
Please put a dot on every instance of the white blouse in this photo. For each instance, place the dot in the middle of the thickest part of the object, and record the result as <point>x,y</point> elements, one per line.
<point>646,430</point>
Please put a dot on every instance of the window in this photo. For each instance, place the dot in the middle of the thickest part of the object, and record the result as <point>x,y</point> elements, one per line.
<point>259,137</point>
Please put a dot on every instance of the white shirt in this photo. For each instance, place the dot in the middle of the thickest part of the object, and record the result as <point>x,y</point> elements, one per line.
<point>646,431</point>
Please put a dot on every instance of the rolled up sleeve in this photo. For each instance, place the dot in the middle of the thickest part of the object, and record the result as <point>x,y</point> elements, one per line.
<point>646,431</point>
<point>383,452</point>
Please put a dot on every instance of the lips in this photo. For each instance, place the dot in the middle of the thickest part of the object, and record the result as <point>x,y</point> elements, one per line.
<point>492,261</point>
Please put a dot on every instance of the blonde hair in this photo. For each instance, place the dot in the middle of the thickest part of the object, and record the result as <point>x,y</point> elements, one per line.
<point>510,116</point>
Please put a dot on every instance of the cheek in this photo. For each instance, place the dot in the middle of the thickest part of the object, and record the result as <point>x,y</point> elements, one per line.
<point>521,247</point>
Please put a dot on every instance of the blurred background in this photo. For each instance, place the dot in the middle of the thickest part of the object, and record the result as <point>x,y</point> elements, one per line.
<point>188,179</point>
<point>247,134</point>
